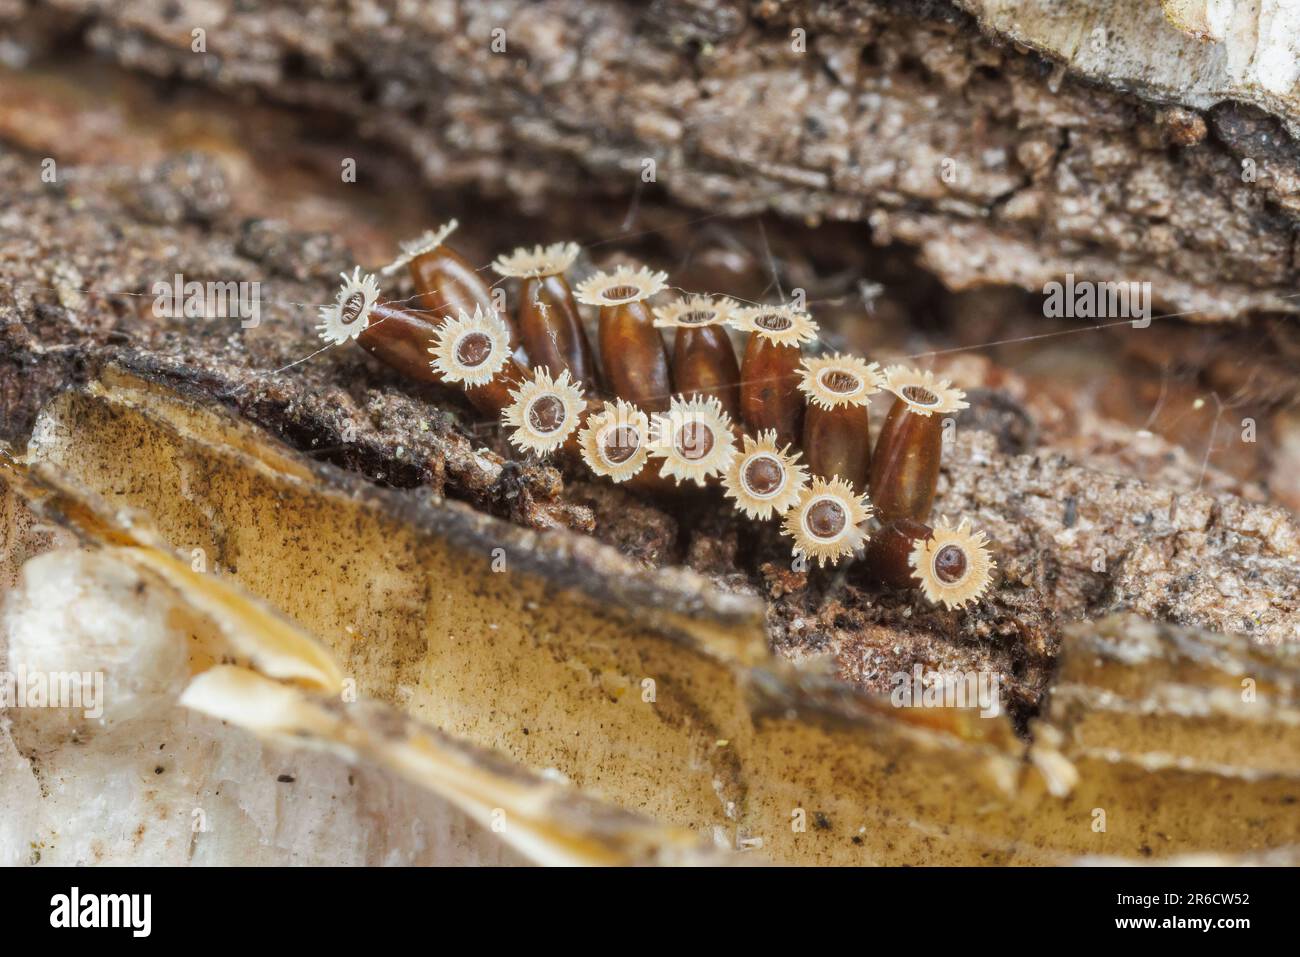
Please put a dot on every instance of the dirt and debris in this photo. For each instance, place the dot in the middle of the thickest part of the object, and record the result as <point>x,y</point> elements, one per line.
<point>906,118</point>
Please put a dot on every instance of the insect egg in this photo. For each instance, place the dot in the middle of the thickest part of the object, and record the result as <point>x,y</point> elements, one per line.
<point>348,316</point>
<point>615,441</point>
<point>635,363</point>
<point>764,480</point>
<point>549,323</point>
<point>836,431</point>
<point>953,564</point>
<point>704,363</point>
<point>543,412</point>
<point>826,522</point>
<point>905,463</point>
<point>694,439</point>
<point>446,284</point>
<point>474,352</point>
<point>769,384</point>
<point>782,397</point>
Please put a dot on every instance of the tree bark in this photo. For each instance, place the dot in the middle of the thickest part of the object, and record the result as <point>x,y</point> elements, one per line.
<point>929,123</point>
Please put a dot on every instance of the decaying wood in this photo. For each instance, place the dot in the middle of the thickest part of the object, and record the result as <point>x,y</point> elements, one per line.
<point>919,121</point>
<point>1090,513</point>
<point>652,688</point>
<point>191,664</point>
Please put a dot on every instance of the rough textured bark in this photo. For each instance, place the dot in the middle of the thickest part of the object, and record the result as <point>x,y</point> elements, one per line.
<point>917,120</point>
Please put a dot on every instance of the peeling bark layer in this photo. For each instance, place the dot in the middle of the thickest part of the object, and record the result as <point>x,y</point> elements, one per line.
<point>542,660</point>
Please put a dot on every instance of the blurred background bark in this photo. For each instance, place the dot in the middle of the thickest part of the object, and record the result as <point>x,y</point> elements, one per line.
<point>1009,143</point>
<point>919,169</point>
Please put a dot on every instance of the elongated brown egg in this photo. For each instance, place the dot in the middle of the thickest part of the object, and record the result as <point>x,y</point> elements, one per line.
<point>888,559</point>
<point>950,564</point>
<point>704,362</point>
<point>497,393</point>
<point>905,463</point>
<point>400,338</point>
<point>446,284</point>
<point>631,349</point>
<point>769,382</point>
<point>551,328</point>
<point>836,431</point>
<point>550,325</point>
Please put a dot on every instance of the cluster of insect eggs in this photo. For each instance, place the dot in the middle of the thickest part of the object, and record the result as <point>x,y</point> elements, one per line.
<point>684,410</point>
